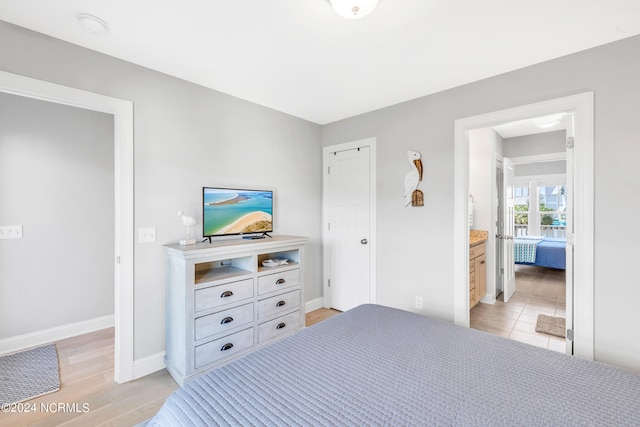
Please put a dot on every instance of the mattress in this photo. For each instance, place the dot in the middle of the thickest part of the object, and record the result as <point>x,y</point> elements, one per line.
<point>379,366</point>
<point>551,253</point>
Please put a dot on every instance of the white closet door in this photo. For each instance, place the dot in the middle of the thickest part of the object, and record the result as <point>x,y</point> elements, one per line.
<point>349,219</point>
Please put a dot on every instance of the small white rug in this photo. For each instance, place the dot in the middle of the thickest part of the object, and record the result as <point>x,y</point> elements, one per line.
<point>551,325</point>
<point>28,374</point>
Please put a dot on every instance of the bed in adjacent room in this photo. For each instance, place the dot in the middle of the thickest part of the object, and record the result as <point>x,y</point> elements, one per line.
<point>541,251</point>
<point>375,365</point>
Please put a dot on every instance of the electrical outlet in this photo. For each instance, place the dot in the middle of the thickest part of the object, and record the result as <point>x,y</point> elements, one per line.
<point>418,302</point>
<point>11,232</point>
<point>147,235</point>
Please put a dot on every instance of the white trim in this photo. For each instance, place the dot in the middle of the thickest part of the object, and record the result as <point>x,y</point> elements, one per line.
<point>461,224</point>
<point>33,339</point>
<point>539,158</point>
<point>583,152</point>
<point>584,230</point>
<point>489,298</point>
<point>122,112</point>
<point>313,305</point>
<point>542,180</point>
<point>148,365</point>
<point>371,143</point>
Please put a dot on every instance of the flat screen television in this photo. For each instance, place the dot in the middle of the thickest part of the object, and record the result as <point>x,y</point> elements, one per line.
<point>232,211</point>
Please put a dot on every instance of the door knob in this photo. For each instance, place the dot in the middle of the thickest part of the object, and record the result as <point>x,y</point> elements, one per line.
<point>364,241</point>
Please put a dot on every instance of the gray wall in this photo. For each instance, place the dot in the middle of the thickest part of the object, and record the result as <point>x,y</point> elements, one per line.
<point>539,143</point>
<point>57,181</point>
<point>424,266</point>
<point>482,152</point>
<point>186,137</point>
<point>531,145</point>
<point>544,168</point>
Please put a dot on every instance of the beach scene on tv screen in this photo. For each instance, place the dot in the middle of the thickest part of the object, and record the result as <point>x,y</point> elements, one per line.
<point>237,211</point>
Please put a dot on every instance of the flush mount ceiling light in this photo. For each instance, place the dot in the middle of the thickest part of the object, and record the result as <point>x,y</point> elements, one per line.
<point>93,24</point>
<point>353,9</point>
<point>548,121</point>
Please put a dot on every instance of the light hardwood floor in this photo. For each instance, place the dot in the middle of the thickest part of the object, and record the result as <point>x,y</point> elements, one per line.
<point>86,379</point>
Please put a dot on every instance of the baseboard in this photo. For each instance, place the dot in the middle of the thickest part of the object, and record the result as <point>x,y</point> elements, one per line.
<point>34,339</point>
<point>155,362</point>
<point>148,365</point>
<point>313,305</point>
<point>489,299</point>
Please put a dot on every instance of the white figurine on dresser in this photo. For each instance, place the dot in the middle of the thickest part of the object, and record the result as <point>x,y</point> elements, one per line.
<point>222,302</point>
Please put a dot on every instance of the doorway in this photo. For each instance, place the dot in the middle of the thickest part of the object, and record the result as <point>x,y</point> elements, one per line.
<point>349,238</point>
<point>122,112</point>
<point>580,271</point>
<point>530,194</point>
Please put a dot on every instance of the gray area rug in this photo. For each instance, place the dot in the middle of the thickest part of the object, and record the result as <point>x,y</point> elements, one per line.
<point>28,374</point>
<point>551,325</point>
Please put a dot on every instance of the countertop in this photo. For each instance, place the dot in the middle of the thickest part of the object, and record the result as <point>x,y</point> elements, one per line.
<point>477,236</point>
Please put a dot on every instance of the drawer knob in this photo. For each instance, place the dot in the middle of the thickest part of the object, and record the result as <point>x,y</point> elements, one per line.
<point>226,320</point>
<point>281,325</point>
<point>226,294</point>
<point>280,281</point>
<point>280,303</point>
<point>227,346</point>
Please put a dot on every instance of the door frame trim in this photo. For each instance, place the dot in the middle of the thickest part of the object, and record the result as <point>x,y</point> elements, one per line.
<point>582,105</point>
<point>326,151</point>
<point>122,112</point>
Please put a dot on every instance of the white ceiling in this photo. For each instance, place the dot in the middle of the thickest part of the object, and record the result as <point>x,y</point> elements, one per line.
<point>534,125</point>
<point>299,57</point>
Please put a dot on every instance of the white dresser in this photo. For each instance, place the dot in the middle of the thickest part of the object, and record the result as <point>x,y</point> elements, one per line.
<point>222,303</point>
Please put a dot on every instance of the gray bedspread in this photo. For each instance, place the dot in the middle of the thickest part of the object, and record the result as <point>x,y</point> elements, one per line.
<point>374,366</point>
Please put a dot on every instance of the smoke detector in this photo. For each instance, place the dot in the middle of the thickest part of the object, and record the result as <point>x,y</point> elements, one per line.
<point>92,24</point>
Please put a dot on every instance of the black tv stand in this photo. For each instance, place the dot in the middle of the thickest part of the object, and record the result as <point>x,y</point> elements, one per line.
<point>207,238</point>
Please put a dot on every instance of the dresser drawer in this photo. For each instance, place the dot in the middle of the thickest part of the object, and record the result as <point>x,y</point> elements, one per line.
<point>278,304</point>
<point>216,323</point>
<point>277,281</point>
<point>220,295</point>
<point>279,326</point>
<point>223,347</point>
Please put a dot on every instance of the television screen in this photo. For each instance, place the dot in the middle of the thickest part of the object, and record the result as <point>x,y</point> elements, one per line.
<point>228,211</point>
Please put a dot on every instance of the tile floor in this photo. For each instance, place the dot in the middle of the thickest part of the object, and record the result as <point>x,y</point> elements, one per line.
<point>539,290</point>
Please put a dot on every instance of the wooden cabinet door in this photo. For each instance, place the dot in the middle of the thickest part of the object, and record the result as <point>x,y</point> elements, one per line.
<point>480,276</point>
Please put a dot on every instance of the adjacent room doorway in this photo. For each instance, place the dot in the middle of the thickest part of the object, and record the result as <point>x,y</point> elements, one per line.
<point>580,278</point>
<point>122,112</point>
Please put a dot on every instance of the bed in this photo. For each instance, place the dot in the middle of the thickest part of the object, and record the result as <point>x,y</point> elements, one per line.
<point>374,366</point>
<point>548,252</point>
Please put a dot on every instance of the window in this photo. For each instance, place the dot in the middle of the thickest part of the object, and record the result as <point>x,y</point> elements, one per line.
<point>548,216</point>
<point>553,207</point>
<point>521,207</point>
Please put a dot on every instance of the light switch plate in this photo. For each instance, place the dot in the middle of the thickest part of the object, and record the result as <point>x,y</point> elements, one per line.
<point>11,232</point>
<point>147,235</point>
